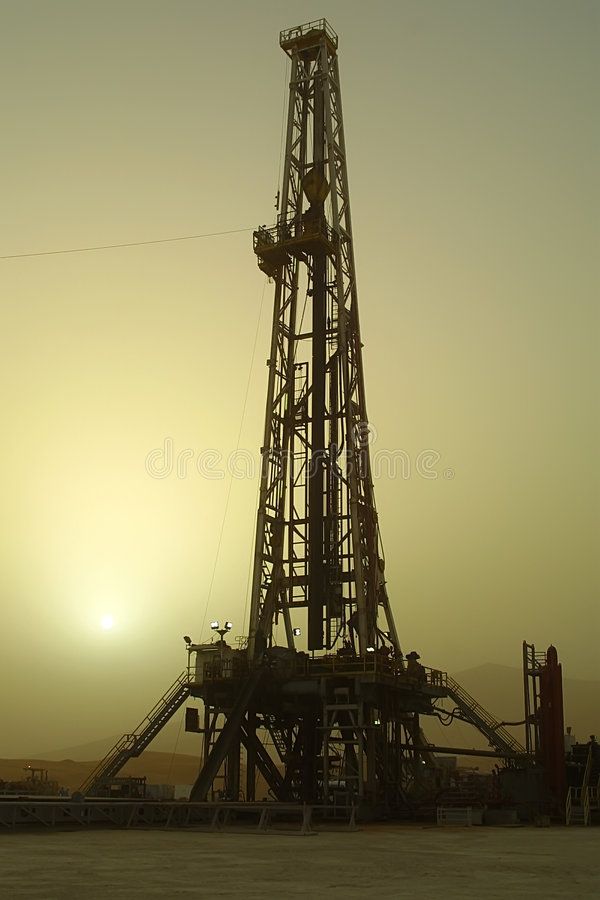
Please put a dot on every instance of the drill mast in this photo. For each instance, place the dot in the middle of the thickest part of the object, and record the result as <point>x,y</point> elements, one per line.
<point>317,539</point>
<point>342,721</point>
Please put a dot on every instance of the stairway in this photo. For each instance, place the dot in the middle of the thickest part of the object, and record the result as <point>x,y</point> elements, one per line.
<point>577,807</point>
<point>132,745</point>
<point>278,736</point>
<point>499,738</point>
<point>584,801</point>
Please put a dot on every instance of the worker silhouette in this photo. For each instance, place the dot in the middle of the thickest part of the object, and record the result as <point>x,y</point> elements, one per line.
<point>414,669</point>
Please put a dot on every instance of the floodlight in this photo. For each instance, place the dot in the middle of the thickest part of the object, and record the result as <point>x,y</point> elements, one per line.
<point>228,626</point>
<point>296,632</point>
<point>187,639</point>
<point>214,625</point>
<point>370,649</point>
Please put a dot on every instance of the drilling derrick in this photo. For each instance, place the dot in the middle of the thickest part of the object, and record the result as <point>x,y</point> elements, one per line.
<point>343,727</point>
<point>317,538</point>
<point>331,716</point>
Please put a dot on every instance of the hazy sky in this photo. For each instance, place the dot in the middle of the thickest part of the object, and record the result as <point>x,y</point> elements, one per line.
<point>473,143</point>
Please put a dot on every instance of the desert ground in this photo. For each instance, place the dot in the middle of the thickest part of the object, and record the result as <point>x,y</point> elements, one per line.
<point>384,861</point>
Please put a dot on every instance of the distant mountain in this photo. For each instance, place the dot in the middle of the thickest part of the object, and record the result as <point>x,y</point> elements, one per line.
<point>173,738</point>
<point>81,752</point>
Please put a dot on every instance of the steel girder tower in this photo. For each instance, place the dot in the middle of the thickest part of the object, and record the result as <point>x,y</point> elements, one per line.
<point>340,725</point>
<point>336,724</point>
<point>317,538</point>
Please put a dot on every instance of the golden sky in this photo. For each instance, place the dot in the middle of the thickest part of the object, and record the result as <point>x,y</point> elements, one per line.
<point>472,133</point>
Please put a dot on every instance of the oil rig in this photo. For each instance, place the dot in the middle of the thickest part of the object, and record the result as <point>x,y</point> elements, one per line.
<point>341,704</point>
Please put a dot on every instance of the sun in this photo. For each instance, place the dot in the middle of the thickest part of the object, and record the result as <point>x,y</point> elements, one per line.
<point>107,622</point>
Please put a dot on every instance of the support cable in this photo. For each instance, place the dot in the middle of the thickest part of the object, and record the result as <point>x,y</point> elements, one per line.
<point>237,447</point>
<point>251,559</point>
<point>185,237</point>
<point>300,325</point>
<point>175,747</point>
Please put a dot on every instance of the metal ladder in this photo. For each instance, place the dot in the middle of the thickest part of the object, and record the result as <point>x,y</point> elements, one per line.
<point>132,745</point>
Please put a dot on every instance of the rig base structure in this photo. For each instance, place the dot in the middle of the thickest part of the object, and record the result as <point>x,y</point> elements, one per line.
<point>339,731</point>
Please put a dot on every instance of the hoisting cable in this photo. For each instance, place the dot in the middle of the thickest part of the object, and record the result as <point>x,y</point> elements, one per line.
<point>175,747</point>
<point>250,561</point>
<point>237,447</point>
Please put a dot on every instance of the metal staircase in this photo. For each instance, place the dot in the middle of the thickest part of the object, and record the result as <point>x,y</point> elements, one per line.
<point>577,807</point>
<point>132,745</point>
<point>471,711</point>
<point>280,739</point>
<point>584,800</point>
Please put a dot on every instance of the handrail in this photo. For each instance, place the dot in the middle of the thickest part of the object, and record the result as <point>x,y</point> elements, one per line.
<point>569,806</point>
<point>299,31</point>
<point>293,228</point>
<point>106,762</point>
<point>580,798</point>
<point>129,742</point>
<point>489,720</point>
<point>370,663</point>
<point>179,682</point>
<point>588,768</point>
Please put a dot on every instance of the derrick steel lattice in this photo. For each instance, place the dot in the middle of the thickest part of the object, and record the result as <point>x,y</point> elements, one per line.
<point>317,538</point>
<point>339,726</point>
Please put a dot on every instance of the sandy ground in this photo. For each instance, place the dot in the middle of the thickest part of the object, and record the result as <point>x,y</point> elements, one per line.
<point>403,861</point>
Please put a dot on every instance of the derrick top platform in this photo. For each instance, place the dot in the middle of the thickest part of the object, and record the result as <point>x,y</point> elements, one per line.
<point>294,237</point>
<point>304,36</point>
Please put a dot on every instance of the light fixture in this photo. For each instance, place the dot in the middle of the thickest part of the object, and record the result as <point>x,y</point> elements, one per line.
<point>187,639</point>
<point>221,630</point>
<point>370,649</point>
<point>377,722</point>
<point>296,632</point>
